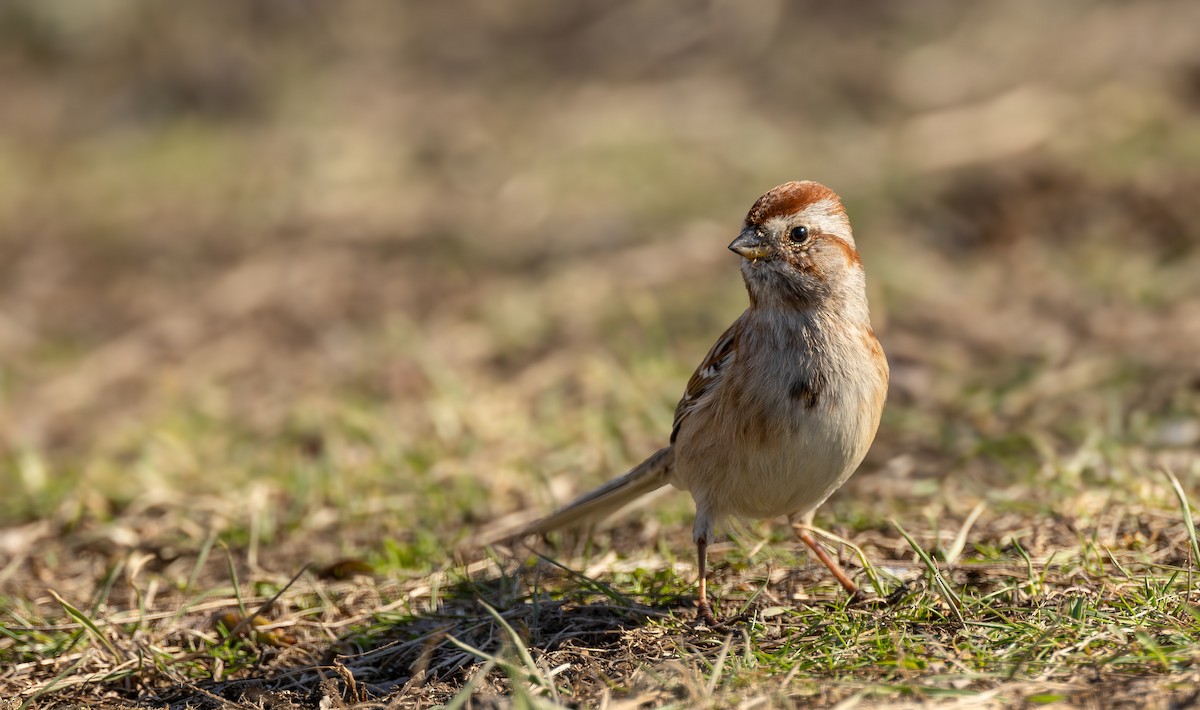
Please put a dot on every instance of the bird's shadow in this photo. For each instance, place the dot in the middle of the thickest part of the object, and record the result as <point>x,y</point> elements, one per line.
<point>484,628</point>
<point>434,648</point>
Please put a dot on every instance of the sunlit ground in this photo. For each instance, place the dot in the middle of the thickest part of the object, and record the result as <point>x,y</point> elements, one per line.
<point>350,288</point>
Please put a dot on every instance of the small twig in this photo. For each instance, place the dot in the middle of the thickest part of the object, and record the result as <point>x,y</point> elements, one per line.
<point>264,607</point>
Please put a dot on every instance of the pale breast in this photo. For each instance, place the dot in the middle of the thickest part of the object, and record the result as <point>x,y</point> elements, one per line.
<point>792,419</point>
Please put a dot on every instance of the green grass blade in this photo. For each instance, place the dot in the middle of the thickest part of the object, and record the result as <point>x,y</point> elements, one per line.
<point>519,645</point>
<point>1186,508</point>
<point>87,623</point>
<point>939,581</point>
<point>463,696</point>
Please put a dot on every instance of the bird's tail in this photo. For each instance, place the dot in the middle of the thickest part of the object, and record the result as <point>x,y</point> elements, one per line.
<point>607,499</point>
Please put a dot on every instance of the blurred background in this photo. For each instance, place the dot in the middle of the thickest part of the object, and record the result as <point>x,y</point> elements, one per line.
<point>402,269</point>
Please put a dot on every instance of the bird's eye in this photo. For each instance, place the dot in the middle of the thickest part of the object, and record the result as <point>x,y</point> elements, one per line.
<point>799,234</point>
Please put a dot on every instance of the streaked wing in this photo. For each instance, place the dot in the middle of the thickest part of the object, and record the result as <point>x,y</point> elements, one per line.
<point>706,377</point>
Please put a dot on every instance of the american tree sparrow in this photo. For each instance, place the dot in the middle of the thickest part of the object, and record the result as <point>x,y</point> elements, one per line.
<point>787,402</point>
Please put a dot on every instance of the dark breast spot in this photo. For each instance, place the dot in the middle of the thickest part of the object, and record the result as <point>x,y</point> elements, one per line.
<point>806,390</point>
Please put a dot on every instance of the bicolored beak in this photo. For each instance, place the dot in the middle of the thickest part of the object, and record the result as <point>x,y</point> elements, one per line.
<point>751,245</point>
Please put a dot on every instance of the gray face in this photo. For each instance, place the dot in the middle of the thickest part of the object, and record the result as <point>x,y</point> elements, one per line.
<point>801,257</point>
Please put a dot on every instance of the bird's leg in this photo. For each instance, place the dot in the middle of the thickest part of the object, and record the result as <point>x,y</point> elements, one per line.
<point>703,610</point>
<point>839,574</point>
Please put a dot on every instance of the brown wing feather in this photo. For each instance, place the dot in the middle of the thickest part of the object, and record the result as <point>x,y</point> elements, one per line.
<point>706,376</point>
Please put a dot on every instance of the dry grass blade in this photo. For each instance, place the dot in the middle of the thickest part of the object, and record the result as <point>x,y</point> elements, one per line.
<point>464,695</point>
<point>960,540</point>
<point>718,666</point>
<point>53,683</point>
<point>514,671</point>
<point>605,589</point>
<point>201,557</point>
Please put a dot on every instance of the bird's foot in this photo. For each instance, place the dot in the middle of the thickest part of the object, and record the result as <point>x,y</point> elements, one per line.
<point>860,599</point>
<point>897,595</point>
<point>704,615</point>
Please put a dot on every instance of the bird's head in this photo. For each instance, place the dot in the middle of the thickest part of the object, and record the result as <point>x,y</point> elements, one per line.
<point>797,247</point>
